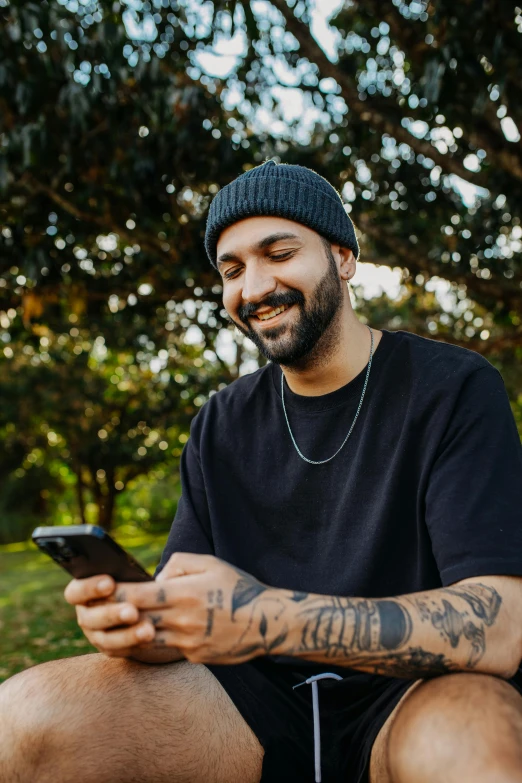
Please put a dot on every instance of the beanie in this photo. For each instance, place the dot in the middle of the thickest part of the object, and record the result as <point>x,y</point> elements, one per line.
<point>281,190</point>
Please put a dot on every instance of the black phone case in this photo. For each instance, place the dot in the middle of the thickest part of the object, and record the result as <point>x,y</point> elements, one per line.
<point>87,550</point>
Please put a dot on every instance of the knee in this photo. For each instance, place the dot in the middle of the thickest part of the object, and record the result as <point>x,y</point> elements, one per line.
<point>34,708</point>
<point>459,719</point>
<point>25,703</point>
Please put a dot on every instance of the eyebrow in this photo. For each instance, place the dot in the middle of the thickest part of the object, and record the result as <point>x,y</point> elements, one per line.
<point>271,239</point>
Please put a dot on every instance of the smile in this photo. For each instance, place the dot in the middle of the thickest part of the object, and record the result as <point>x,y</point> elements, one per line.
<point>273,313</point>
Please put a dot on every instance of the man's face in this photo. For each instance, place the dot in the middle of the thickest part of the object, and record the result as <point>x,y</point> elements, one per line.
<point>281,286</point>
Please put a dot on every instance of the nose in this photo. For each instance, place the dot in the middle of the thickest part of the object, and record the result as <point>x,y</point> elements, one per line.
<point>257,284</point>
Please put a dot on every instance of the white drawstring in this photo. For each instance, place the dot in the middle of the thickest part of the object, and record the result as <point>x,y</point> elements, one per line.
<point>317,725</point>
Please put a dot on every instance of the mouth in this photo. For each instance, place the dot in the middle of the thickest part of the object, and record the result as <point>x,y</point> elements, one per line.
<point>273,317</point>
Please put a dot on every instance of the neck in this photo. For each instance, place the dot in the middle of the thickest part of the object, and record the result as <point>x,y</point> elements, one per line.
<point>336,364</point>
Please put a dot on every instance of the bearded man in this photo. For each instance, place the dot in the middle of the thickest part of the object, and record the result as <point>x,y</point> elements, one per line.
<point>350,520</point>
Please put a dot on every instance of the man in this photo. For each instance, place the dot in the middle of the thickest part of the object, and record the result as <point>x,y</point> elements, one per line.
<point>353,508</point>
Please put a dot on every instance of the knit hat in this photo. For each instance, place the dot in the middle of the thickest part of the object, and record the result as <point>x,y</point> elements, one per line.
<point>281,190</point>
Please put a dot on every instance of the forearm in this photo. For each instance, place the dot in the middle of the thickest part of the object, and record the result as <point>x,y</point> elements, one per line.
<point>461,628</point>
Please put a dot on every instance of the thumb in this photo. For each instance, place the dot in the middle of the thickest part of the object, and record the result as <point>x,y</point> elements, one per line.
<point>184,563</point>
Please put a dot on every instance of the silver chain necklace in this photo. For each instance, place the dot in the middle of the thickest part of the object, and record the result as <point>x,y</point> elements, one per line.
<point>322,461</point>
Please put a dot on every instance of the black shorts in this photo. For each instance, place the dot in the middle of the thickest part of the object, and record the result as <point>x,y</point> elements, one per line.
<point>352,712</point>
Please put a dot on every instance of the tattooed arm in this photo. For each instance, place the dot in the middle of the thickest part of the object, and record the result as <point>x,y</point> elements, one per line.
<point>474,625</point>
<point>209,611</point>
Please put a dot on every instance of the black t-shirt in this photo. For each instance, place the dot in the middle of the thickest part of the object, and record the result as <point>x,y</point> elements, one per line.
<point>426,491</point>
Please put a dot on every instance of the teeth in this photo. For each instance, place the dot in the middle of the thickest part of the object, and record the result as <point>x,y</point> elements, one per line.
<point>272,313</point>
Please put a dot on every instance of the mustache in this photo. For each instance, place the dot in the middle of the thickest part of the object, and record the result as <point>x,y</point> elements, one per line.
<point>272,300</point>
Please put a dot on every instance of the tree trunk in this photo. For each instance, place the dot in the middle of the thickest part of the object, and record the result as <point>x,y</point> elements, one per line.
<point>79,493</point>
<point>106,508</point>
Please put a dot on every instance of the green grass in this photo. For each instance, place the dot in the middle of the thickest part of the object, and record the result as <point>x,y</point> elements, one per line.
<point>36,624</point>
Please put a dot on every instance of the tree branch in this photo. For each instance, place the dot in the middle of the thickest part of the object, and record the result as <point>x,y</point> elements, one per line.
<point>384,119</point>
<point>106,222</point>
<point>486,292</point>
<point>387,118</point>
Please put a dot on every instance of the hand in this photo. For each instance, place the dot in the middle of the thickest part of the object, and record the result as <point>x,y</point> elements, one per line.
<point>211,611</point>
<point>115,629</point>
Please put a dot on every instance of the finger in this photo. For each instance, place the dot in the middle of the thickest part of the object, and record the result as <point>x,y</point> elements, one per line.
<point>122,638</point>
<point>107,615</point>
<point>80,591</point>
<point>169,619</point>
<point>183,563</point>
<point>150,595</point>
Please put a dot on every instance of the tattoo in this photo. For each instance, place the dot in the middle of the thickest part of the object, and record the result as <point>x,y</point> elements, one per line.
<point>372,634</point>
<point>477,637</point>
<point>155,619</point>
<point>453,624</point>
<point>265,616</point>
<point>413,662</point>
<point>483,600</point>
<point>449,622</point>
<point>375,635</point>
<point>120,596</point>
<point>210,621</point>
<point>299,596</point>
<point>341,627</point>
<point>161,596</point>
<point>159,641</point>
<point>215,600</point>
<point>246,590</point>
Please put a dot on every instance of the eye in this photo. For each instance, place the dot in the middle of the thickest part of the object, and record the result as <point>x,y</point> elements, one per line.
<point>231,273</point>
<point>282,256</point>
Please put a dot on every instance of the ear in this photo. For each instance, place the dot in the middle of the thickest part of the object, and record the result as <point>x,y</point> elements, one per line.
<point>348,263</point>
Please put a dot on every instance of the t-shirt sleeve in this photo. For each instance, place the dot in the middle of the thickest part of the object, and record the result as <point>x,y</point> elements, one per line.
<point>190,531</point>
<point>474,493</point>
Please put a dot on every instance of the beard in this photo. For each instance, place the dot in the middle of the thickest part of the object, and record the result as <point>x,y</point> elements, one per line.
<point>310,340</point>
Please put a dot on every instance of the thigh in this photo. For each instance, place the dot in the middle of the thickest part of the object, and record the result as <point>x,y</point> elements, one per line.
<point>120,721</point>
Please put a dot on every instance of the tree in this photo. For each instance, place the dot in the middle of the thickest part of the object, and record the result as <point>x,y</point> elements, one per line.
<point>101,247</point>
<point>114,137</point>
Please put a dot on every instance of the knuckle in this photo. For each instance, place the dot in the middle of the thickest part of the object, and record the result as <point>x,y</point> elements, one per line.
<point>183,622</point>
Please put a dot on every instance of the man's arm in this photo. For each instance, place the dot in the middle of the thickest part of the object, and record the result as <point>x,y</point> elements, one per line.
<point>473,625</point>
<point>212,612</point>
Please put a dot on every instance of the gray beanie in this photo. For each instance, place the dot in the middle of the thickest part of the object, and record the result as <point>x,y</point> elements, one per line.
<point>281,190</point>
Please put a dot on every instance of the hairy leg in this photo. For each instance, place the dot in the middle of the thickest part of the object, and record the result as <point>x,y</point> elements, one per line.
<point>106,720</point>
<point>459,728</point>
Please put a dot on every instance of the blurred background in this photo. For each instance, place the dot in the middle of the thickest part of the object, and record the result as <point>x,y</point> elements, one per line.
<point>119,122</point>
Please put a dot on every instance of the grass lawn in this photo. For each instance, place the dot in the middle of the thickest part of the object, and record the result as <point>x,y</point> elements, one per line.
<point>36,624</point>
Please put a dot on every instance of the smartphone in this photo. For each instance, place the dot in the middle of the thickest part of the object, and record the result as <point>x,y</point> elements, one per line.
<point>87,550</point>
